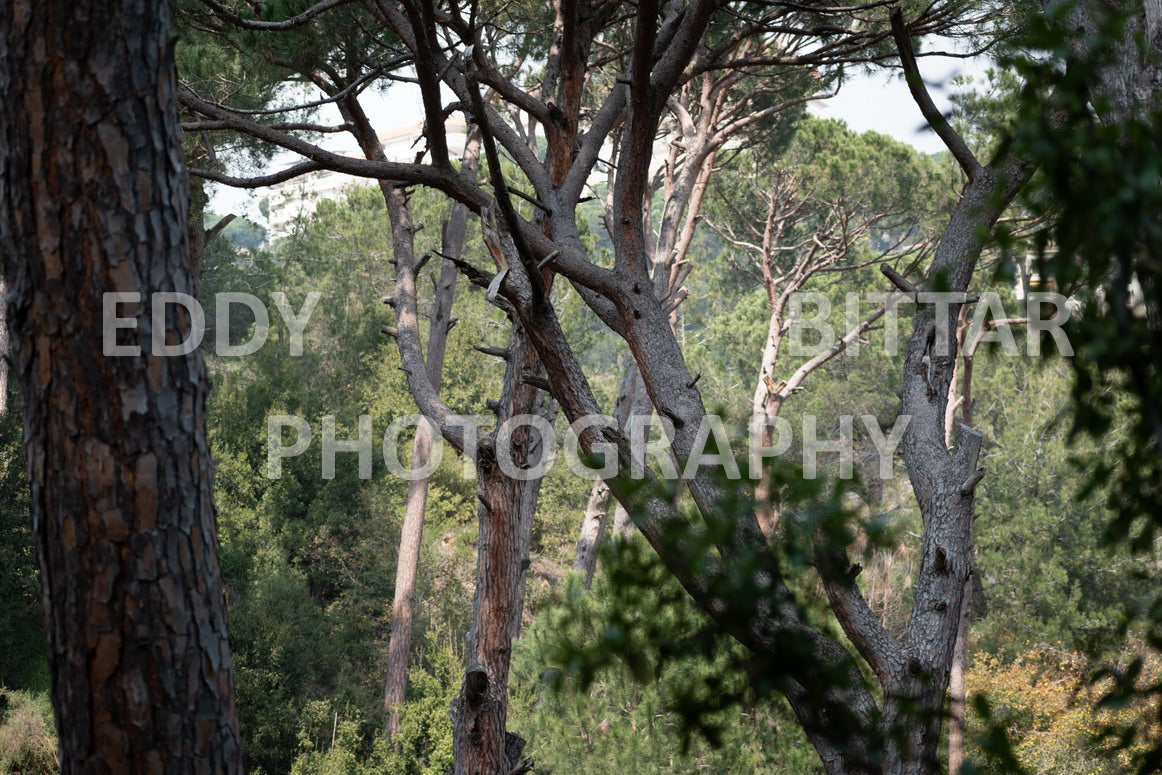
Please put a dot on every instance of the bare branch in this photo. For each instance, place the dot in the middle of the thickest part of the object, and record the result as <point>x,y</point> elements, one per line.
<point>287,24</point>
<point>217,228</point>
<point>939,123</point>
<point>259,181</point>
<point>352,88</point>
<point>202,126</point>
<point>899,281</point>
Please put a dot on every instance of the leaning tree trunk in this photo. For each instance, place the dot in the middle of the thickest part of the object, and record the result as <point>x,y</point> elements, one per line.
<point>411,535</point>
<point>93,200</point>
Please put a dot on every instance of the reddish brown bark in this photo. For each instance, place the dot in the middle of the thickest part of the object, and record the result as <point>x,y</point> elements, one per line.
<point>93,199</point>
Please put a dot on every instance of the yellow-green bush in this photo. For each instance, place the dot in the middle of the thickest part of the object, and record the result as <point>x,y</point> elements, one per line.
<point>27,741</point>
<point>1047,704</point>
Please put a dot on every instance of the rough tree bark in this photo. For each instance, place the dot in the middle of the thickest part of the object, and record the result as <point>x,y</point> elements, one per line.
<point>93,200</point>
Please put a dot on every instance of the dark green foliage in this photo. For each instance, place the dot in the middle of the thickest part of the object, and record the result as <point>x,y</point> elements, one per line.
<point>23,663</point>
<point>1101,187</point>
<point>632,670</point>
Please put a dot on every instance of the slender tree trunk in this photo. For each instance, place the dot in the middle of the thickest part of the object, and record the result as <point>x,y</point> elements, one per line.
<point>956,687</point>
<point>592,530</point>
<point>93,199</point>
<point>411,535</point>
<point>403,604</point>
<point>632,402</point>
<point>481,743</point>
<point>766,403</point>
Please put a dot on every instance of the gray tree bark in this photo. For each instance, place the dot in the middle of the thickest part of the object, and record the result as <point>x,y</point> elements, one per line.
<point>93,199</point>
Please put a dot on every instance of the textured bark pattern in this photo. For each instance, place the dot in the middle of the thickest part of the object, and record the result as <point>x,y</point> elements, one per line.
<point>93,199</point>
<point>919,675</point>
<point>1131,85</point>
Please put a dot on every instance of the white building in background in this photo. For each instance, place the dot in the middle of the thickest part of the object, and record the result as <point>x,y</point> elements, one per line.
<point>297,198</point>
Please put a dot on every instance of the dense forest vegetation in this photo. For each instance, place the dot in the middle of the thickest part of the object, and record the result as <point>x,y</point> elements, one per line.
<point>649,663</point>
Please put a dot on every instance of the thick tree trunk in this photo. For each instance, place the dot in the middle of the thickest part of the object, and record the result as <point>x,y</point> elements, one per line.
<point>944,484</point>
<point>93,200</point>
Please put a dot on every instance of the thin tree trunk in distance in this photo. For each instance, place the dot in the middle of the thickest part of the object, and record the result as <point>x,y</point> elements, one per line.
<point>411,535</point>
<point>962,372</point>
<point>592,530</point>
<point>956,687</point>
<point>93,199</point>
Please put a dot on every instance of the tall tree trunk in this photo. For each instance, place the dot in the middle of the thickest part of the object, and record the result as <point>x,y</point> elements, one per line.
<point>411,535</point>
<point>93,199</point>
<point>481,742</point>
